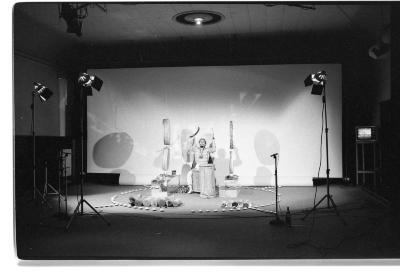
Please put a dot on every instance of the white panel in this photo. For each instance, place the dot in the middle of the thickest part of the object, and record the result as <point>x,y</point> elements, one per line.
<point>271,110</point>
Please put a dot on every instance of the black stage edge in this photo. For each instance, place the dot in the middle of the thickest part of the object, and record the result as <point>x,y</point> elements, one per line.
<point>319,181</point>
<point>103,178</point>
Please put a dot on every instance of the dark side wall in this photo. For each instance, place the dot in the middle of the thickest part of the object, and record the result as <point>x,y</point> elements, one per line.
<point>39,55</point>
<point>47,120</point>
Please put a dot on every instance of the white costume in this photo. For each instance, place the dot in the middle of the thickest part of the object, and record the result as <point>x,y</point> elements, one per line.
<point>201,157</point>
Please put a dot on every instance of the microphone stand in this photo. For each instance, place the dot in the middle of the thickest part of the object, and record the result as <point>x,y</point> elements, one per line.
<point>277,221</point>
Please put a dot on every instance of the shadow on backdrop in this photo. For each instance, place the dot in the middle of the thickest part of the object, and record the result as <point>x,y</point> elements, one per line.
<point>263,177</point>
<point>221,165</point>
<point>185,144</point>
<point>113,150</point>
<point>184,171</point>
<point>265,144</point>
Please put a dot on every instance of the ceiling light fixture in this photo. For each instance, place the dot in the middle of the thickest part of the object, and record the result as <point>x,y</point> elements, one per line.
<point>74,13</point>
<point>198,18</point>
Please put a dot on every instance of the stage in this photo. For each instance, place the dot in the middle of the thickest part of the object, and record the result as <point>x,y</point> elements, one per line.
<point>186,232</point>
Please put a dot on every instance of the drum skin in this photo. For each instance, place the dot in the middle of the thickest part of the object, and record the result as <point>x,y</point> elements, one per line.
<point>165,161</point>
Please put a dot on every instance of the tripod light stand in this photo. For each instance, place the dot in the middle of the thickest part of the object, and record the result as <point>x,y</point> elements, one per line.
<point>44,94</point>
<point>318,81</point>
<point>86,82</point>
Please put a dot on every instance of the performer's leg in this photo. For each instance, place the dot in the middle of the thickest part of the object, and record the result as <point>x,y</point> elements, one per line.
<point>190,181</point>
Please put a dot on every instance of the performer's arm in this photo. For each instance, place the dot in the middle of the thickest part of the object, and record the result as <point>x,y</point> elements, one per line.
<point>192,145</point>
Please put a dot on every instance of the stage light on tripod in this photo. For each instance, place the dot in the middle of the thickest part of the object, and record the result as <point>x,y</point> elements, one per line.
<point>42,91</point>
<point>90,81</point>
<point>318,81</point>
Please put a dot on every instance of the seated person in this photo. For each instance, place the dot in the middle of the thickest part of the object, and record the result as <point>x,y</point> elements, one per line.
<point>201,156</point>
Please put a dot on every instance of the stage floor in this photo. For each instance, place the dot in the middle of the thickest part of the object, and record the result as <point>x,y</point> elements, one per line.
<point>184,232</point>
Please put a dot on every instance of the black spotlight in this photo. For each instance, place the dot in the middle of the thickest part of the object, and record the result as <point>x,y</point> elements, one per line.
<point>70,15</point>
<point>87,81</point>
<point>317,80</point>
<point>42,91</point>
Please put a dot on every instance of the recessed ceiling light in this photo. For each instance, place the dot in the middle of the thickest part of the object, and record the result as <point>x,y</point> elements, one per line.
<point>198,18</point>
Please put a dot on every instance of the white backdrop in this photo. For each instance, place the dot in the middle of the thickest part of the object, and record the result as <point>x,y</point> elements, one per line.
<point>270,108</point>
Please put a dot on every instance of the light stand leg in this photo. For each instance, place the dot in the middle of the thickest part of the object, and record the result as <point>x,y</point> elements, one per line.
<point>66,186</point>
<point>36,191</point>
<point>82,200</point>
<point>328,196</point>
<point>33,145</point>
<point>80,206</point>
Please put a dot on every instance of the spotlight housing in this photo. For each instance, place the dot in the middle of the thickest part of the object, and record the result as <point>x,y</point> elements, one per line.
<point>42,91</point>
<point>318,81</point>
<point>87,82</point>
<point>198,18</point>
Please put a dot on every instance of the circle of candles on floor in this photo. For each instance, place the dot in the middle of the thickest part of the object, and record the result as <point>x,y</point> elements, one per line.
<point>250,205</point>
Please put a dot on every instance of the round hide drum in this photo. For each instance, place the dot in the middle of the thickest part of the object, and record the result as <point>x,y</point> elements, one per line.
<point>207,181</point>
<point>167,132</point>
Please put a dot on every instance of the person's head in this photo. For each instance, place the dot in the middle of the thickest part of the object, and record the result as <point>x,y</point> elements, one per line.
<point>202,142</point>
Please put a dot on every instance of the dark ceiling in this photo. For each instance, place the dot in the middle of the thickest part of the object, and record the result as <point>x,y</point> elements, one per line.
<point>153,22</point>
<point>39,31</point>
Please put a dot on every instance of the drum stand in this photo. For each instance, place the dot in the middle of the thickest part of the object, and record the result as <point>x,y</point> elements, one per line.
<point>277,221</point>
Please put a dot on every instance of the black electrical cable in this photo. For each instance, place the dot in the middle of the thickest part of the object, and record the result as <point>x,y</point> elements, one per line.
<point>308,240</point>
